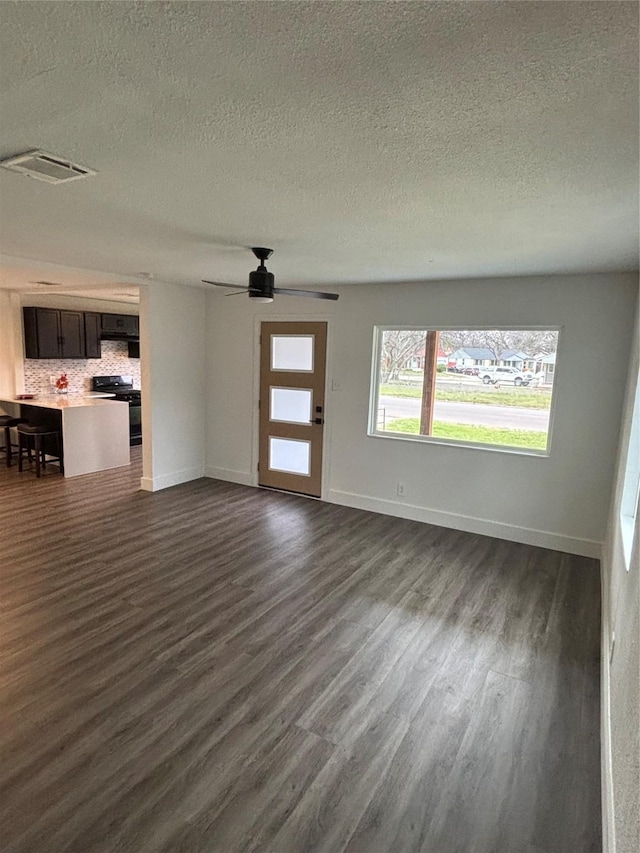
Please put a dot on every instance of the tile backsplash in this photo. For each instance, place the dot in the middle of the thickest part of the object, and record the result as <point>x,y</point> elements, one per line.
<point>115,359</point>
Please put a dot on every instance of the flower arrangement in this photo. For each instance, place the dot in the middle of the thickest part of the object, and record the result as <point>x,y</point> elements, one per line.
<point>62,384</point>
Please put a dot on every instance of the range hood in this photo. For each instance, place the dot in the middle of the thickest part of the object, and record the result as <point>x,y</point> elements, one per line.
<point>119,336</point>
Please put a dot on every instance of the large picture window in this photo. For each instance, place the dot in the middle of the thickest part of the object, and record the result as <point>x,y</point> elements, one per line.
<point>479,387</point>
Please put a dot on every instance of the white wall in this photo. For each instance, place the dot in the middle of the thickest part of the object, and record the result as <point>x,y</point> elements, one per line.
<point>559,502</point>
<point>172,350</point>
<point>8,309</point>
<point>621,662</point>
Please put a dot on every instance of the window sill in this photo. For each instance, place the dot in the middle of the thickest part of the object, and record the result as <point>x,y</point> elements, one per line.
<point>467,445</point>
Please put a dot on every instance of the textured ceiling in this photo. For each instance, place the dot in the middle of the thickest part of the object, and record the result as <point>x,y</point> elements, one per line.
<point>363,141</point>
<point>29,277</point>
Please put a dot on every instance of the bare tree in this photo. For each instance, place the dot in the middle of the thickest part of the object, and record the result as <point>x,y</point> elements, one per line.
<point>453,339</point>
<point>534,342</point>
<point>530,341</point>
<point>496,341</point>
<point>398,346</point>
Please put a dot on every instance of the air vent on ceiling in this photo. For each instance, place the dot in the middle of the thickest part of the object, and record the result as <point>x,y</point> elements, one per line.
<point>46,167</point>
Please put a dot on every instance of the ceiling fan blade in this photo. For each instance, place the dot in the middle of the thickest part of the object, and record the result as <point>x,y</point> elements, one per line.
<point>314,294</point>
<point>223,284</point>
<point>239,293</point>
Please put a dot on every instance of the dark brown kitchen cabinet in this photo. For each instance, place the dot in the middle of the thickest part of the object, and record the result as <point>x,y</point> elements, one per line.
<point>92,346</point>
<point>50,333</point>
<point>120,325</point>
<point>41,332</point>
<point>72,334</point>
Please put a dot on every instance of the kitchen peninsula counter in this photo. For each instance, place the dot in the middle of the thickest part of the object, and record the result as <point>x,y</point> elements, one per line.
<point>94,429</point>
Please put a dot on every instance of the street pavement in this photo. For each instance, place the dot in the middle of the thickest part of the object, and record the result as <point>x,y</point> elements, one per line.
<point>511,417</point>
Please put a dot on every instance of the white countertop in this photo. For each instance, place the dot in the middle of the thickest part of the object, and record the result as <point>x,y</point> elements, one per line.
<point>66,401</point>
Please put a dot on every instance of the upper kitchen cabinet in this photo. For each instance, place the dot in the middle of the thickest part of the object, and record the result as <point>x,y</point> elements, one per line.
<point>41,332</point>
<point>120,326</point>
<point>50,333</point>
<point>92,328</point>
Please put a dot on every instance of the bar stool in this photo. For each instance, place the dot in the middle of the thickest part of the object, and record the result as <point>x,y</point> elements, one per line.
<point>6,422</point>
<point>27,432</point>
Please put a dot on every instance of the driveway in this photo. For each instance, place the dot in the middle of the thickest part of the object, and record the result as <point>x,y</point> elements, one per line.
<point>511,417</point>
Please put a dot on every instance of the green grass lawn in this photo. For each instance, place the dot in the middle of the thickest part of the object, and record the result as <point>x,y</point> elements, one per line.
<point>531,439</point>
<point>490,397</point>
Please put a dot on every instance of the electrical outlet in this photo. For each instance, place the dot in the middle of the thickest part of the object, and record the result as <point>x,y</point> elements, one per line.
<point>400,491</point>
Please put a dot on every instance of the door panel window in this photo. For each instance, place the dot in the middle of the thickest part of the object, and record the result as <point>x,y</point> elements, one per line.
<point>290,405</point>
<point>292,353</point>
<point>292,456</point>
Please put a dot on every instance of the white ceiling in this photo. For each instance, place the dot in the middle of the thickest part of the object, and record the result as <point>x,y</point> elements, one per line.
<point>37,278</point>
<point>363,141</point>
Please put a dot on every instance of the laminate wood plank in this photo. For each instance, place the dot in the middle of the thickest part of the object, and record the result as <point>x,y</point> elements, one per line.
<point>260,800</point>
<point>477,808</point>
<point>328,814</point>
<point>253,671</point>
<point>335,713</point>
<point>566,674</point>
<point>525,595</point>
<point>195,753</point>
<point>74,787</point>
<point>421,667</point>
<point>290,678</point>
<point>402,808</point>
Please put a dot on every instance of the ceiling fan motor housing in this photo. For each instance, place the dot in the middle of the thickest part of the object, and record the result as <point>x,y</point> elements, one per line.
<point>262,281</point>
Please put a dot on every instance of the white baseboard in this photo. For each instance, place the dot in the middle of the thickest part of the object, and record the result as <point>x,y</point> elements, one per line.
<point>156,484</point>
<point>485,527</point>
<point>243,478</point>
<point>606,759</point>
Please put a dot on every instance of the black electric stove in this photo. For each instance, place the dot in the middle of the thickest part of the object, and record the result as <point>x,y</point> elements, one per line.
<point>121,387</point>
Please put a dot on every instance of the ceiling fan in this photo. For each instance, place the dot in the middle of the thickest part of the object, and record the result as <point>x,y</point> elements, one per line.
<point>261,283</point>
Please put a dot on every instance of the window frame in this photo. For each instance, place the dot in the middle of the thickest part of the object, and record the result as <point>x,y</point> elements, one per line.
<point>374,389</point>
<point>630,494</point>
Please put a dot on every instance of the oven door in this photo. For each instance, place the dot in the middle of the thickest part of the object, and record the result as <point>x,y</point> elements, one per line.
<point>135,423</point>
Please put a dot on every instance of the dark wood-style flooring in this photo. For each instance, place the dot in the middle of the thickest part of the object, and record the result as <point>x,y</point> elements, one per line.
<point>215,668</point>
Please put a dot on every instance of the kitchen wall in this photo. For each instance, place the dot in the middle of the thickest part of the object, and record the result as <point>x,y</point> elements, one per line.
<point>621,659</point>
<point>560,501</point>
<point>115,359</point>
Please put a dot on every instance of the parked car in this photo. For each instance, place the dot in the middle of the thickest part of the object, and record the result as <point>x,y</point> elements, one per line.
<point>504,375</point>
<point>466,371</point>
